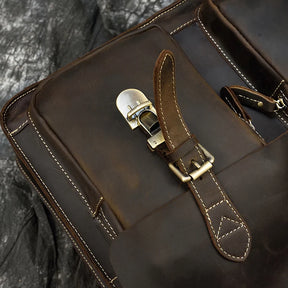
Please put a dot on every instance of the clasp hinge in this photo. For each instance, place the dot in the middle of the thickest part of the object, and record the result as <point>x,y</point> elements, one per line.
<point>201,169</point>
<point>139,111</point>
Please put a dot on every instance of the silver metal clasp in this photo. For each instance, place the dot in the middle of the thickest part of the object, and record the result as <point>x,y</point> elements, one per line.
<point>139,111</point>
<point>201,169</point>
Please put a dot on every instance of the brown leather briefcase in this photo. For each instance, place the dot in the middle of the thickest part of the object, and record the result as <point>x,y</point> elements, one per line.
<point>164,152</point>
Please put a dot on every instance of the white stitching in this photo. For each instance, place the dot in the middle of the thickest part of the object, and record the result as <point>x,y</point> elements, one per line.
<point>115,278</point>
<point>225,235</point>
<point>282,81</point>
<point>223,53</point>
<point>106,220</point>
<point>183,26</point>
<point>104,227</point>
<point>97,206</point>
<point>57,217</point>
<point>221,222</point>
<point>196,191</point>
<point>245,97</point>
<point>284,96</point>
<point>163,13</point>
<point>232,107</point>
<point>60,166</point>
<point>13,102</point>
<point>70,180</point>
<point>283,120</point>
<point>28,161</point>
<point>285,113</point>
<point>19,127</point>
<point>161,106</point>
<point>216,204</point>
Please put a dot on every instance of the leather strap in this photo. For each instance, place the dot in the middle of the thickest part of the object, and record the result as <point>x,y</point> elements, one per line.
<point>250,98</point>
<point>228,230</point>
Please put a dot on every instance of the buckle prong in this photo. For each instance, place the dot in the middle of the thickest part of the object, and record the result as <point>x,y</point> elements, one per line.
<point>201,169</point>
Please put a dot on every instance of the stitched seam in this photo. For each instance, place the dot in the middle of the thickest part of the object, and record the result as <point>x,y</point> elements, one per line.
<point>283,120</point>
<point>196,191</point>
<point>59,220</point>
<point>183,26</point>
<point>19,127</point>
<point>285,113</point>
<point>215,205</point>
<point>115,278</point>
<point>221,222</point>
<point>60,208</point>
<point>225,235</point>
<point>104,227</point>
<point>284,96</point>
<point>12,103</point>
<point>223,53</point>
<point>235,213</point>
<point>254,129</point>
<point>60,166</point>
<point>161,106</point>
<point>106,220</point>
<point>232,107</point>
<point>276,89</point>
<point>97,206</point>
<point>245,97</point>
<point>174,98</point>
<point>32,167</point>
<point>163,13</point>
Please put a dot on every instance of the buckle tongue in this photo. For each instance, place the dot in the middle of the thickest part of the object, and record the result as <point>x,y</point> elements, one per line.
<point>201,169</point>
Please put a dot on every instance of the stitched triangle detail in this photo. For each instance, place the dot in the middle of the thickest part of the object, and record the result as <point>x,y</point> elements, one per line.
<point>226,226</point>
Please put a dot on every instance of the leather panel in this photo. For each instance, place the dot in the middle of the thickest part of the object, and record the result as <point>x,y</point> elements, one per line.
<point>176,253</point>
<point>120,170</point>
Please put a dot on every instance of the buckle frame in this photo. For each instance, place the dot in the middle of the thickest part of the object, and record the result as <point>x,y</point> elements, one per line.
<point>195,174</point>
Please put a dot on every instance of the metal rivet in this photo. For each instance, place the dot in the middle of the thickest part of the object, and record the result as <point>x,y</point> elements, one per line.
<point>260,104</point>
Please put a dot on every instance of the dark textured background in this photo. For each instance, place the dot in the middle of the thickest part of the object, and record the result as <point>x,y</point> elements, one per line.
<point>36,38</point>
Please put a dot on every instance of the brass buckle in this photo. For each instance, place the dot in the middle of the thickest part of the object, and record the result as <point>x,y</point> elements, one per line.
<point>132,103</point>
<point>201,169</point>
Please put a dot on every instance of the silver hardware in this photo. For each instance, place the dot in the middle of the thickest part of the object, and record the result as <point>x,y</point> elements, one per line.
<point>132,104</point>
<point>201,169</point>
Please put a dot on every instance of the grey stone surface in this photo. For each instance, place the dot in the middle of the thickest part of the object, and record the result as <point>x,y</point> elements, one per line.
<point>36,38</point>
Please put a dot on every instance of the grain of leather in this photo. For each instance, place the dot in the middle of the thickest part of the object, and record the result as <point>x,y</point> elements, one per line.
<point>133,222</point>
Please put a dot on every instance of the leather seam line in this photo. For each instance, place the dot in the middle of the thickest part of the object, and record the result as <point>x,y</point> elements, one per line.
<point>59,165</point>
<point>10,105</point>
<point>163,13</point>
<point>160,102</point>
<point>38,133</point>
<point>105,228</point>
<point>32,167</point>
<point>179,28</point>
<point>12,133</point>
<point>250,99</point>
<point>106,220</point>
<point>232,107</point>
<point>64,214</point>
<point>282,119</point>
<point>276,89</point>
<point>223,53</point>
<point>59,220</point>
<point>255,50</point>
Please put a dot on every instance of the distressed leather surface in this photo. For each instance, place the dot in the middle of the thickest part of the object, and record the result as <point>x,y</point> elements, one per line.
<point>87,154</point>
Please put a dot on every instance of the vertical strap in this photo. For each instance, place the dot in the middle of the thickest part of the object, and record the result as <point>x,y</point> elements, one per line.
<point>228,230</point>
